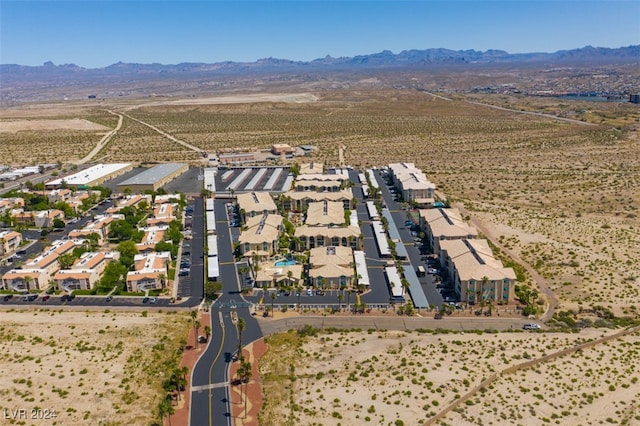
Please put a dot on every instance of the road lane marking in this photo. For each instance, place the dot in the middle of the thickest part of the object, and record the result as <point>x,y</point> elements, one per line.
<point>212,364</point>
<point>209,386</point>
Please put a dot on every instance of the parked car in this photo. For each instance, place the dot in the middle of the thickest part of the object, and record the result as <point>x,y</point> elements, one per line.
<point>145,300</point>
<point>319,292</point>
<point>202,339</point>
<point>153,300</point>
<point>8,297</point>
<point>531,326</point>
<point>109,298</point>
<point>45,297</point>
<point>30,297</point>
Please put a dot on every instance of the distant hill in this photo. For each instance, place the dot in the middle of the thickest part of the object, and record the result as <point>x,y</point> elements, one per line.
<point>20,82</point>
<point>385,59</point>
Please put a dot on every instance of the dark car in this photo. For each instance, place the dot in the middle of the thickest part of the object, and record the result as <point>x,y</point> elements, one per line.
<point>109,298</point>
<point>45,297</point>
<point>67,297</point>
<point>30,297</point>
<point>319,292</point>
<point>145,300</point>
<point>8,297</point>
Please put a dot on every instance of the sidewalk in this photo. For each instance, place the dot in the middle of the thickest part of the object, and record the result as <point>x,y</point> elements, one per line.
<point>247,393</point>
<point>250,392</point>
<point>189,358</point>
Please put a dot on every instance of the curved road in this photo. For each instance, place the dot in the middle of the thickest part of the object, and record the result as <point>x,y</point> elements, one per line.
<point>209,380</point>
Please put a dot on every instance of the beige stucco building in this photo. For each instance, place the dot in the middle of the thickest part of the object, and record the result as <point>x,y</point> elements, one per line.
<point>331,267</point>
<point>261,236</point>
<point>253,204</point>
<point>444,224</point>
<point>412,183</point>
<point>477,276</point>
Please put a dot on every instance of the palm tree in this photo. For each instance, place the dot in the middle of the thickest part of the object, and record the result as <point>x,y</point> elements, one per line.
<point>273,297</point>
<point>207,331</point>
<point>162,277</point>
<point>28,280</point>
<point>241,327</point>
<point>244,373</point>
<point>196,327</point>
<point>165,409</point>
<point>340,299</point>
<point>194,315</point>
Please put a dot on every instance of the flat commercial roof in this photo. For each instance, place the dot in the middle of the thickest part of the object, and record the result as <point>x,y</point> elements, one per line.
<point>153,175</point>
<point>91,174</point>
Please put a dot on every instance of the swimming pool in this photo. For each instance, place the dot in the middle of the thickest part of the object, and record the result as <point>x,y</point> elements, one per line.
<point>285,263</point>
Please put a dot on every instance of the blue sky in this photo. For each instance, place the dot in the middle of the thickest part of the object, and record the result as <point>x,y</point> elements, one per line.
<point>94,33</point>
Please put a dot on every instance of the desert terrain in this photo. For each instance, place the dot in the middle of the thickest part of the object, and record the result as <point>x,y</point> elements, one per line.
<point>558,197</point>
<point>404,378</point>
<point>87,368</point>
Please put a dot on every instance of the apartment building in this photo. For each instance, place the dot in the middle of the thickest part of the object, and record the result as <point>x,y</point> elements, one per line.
<point>9,242</point>
<point>163,214</point>
<point>24,280</point>
<point>150,271</point>
<point>331,267</point>
<point>48,259</point>
<point>100,226</point>
<point>412,183</point>
<point>152,236</point>
<point>85,272</point>
<point>129,201</point>
<point>253,204</point>
<point>300,200</point>
<point>45,219</point>
<point>310,237</point>
<point>477,276</point>
<point>325,213</point>
<point>262,235</point>
<point>444,224</point>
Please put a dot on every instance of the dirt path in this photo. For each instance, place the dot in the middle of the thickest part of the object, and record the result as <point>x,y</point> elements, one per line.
<point>104,141</point>
<point>486,384</point>
<point>165,134</point>
<point>539,114</point>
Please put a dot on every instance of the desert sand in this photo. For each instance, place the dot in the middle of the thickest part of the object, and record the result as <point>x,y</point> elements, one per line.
<point>410,378</point>
<point>87,368</point>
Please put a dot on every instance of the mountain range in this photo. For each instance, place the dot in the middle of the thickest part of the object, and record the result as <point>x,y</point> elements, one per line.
<point>384,60</point>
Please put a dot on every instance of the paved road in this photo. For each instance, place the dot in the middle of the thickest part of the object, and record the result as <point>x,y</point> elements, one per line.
<point>270,326</point>
<point>210,397</point>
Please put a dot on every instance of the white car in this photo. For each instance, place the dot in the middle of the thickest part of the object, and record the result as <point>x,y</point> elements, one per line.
<point>531,326</point>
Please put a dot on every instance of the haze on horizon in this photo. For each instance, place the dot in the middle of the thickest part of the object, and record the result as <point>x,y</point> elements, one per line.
<point>95,34</point>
